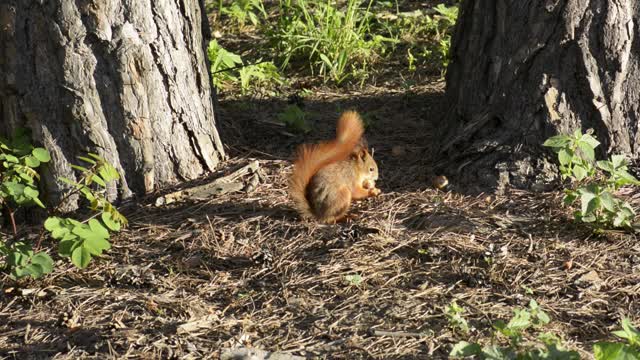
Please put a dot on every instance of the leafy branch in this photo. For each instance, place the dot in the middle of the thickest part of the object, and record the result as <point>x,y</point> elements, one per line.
<point>79,240</point>
<point>595,182</point>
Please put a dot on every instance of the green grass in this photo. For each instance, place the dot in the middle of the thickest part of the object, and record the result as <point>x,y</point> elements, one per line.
<point>338,42</point>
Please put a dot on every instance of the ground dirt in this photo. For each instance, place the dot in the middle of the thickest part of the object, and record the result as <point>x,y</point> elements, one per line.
<point>189,279</point>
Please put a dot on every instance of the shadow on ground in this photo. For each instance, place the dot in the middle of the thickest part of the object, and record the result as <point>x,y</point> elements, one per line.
<point>190,278</point>
<point>404,140</point>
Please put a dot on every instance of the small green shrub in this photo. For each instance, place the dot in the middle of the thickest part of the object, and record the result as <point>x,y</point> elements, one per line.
<point>619,351</point>
<point>594,182</point>
<point>260,75</point>
<point>242,10</point>
<point>78,240</point>
<point>19,161</point>
<point>81,241</point>
<point>454,315</point>
<point>228,68</point>
<point>411,60</point>
<point>547,346</point>
<point>448,15</point>
<point>353,279</point>
<point>295,119</point>
<point>335,41</point>
<point>428,37</point>
<point>23,261</point>
<point>223,62</point>
<point>443,25</point>
<point>523,322</point>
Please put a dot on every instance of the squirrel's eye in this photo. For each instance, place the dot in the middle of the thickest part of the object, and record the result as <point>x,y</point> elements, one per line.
<point>371,169</point>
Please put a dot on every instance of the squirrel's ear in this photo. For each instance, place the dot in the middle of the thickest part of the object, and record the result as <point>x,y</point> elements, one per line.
<point>362,153</point>
<point>359,153</point>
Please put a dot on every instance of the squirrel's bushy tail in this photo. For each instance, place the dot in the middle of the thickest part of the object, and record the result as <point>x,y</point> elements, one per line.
<point>313,157</point>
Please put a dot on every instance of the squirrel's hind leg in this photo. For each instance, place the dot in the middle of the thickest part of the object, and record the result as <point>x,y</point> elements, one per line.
<point>337,206</point>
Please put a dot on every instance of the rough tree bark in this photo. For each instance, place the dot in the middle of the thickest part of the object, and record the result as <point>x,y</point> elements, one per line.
<point>126,79</point>
<point>522,71</point>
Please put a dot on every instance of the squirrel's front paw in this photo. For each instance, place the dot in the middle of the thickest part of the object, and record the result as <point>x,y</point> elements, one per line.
<point>374,192</point>
<point>368,184</point>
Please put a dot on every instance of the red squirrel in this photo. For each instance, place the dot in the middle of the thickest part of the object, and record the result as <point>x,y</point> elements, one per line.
<point>329,175</point>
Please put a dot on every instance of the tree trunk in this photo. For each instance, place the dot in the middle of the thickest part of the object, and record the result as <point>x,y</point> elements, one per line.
<point>522,71</point>
<point>126,79</point>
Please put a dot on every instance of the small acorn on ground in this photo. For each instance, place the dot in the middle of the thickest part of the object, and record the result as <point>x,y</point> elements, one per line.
<point>440,182</point>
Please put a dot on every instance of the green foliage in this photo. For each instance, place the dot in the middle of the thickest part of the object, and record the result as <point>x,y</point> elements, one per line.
<point>619,351</point>
<point>355,279</point>
<point>81,241</point>
<point>242,10</point>
<point>548,346</point>
<point>521,321</point>
<point>595,181</point>
<point>222,61</point>
<point>262,74</point>
<point>428,37</point>
<point>454,315</point>
<point>335,41</point>
<point>19,160</point>
<point>228,68</point>
<point>412,60</point>
<point>441,26</point>
<point>23,261</point>
<point>18,176</point>
<point>78,240</point>
<point>338,40</point>
<point>295,119</point>
<point>576,154</point>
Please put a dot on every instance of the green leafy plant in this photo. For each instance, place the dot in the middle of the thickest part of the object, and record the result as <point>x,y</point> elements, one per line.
<point>78,240</point>
<point>454,313</point>
<point>618,351</point>
<point>335,42</point>
<point>354,279</point>
<point>18,178</point>
<point>242,10</point>
<point>521,321</point>
<point>81,241</point>
<point>228,68</point>
<point>23,261</point>
<point>547,346</point>
<point>440,28</point>
<point>443,23</point>
<point>448,14</point>
<point>595,182</point>
<point>411,60</point>
<point>261,74</point>
<point>222,64</point>
<point>19,161</point>
<point>295,119</point>
<point>427,36</point>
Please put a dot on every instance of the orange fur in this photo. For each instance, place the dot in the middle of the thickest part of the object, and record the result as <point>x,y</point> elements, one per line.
<point>313,157</point>
<point>329,197</point>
